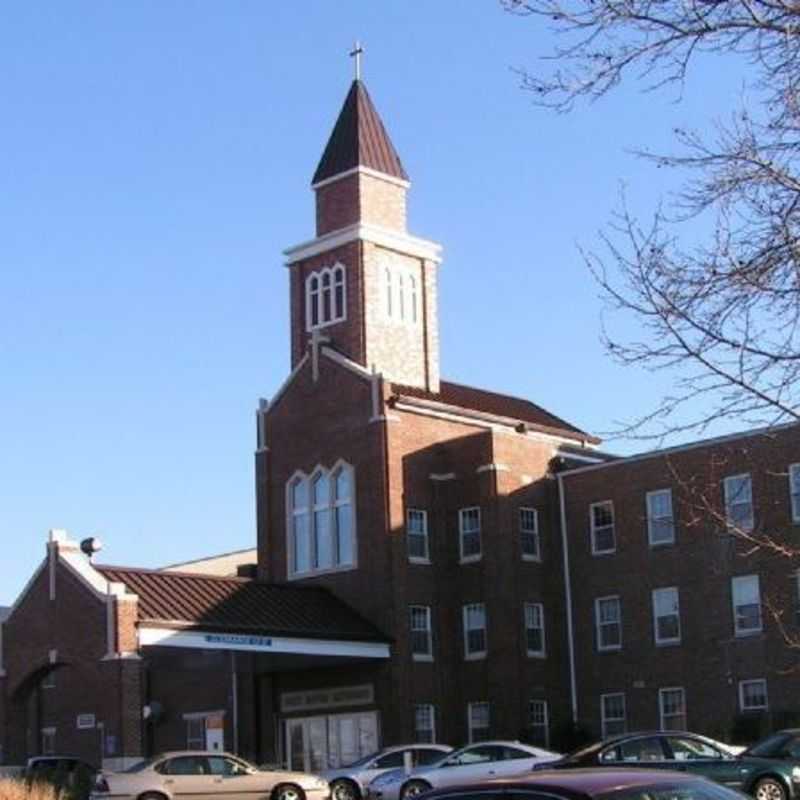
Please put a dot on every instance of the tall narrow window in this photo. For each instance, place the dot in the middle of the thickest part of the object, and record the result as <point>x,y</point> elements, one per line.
<point>338,293</point>
<point>666,616</point>
<point>313,301</point>
<point>343,514</point>
<point>389,289</point>
<point>529,534</point>
<point>672,709</point>
<point>534,630</point>
<point>421,639</point>
<point>417,536</point>
<point>475,631</point>
<point>401,296</point>
<point>301,538</point>
<point>660,522</point>
<point>48,741</point>
<point>539,723</point>
<point>746,597</point>
<point>323,540</point>
<point>739,502</point>
<point>794,490</point>
<point>326,297</point>
<point>469,526</point>
<point>612,714</point>
<point>414,300</point>
<point>753,695</point>
<point>425,723</point>
<point>601,517</point>
<point>608,623</point>
<point>478,721</point>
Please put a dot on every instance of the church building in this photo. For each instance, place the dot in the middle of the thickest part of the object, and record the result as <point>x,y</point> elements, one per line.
<point>435,562</point>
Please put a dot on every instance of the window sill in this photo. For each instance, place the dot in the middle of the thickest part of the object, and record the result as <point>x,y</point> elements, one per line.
<point>531,559</point>
<point>536,654</point>
<point>748,634</point>
<point>314,573</point>
<point>423,658</point>
<point>470,559</point>
<point>604,552</point>
<point>609,649</point>
<point>418,560</point>
<point>668,643</point>
<point>661,545</point>
<point>475,656</point>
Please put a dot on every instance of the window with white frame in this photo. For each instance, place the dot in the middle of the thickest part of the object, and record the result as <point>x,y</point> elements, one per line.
<point>601,517</point>
<point>48,741</point>
<point>401,294</point>
<point>421,637</point>
<point>529,533</point>
<point>608,623</point>
<point>469,533</point>
<point>424,723</point>
<point>753,695</point>
<point>539,722</point>
<point>660,521</point>
<point>320,520</point>
<point>478,721</point>
<point>666,615</point>
<point>196,733</point>
<point>534,629</point>
<point>672,709</point>
<point>475,631</point>
<point>612,714</point>
<point>746,598</point>
<point>326,297</point>
<point>794,490</point>
<point>739,502</point>
<point>417,536</point>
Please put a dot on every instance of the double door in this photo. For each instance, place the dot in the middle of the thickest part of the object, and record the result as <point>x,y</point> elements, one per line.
<point>314,744</point>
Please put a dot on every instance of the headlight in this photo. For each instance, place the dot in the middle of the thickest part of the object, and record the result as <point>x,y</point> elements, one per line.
<point>796,774</point>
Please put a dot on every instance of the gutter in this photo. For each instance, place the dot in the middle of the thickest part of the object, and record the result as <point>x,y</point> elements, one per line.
<point>573,684</point>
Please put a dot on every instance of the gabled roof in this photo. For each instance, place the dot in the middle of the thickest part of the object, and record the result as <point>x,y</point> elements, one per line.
<point>4,612</point>
<point>359,140</point>
<point>241,605</point>
<point>499,405</point>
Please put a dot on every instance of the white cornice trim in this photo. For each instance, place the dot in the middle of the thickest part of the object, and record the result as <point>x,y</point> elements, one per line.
<point>360,170</point>
<point>493,467</point>
<point>392,240</point>
<point>443,476</point>
<point>347,363</point>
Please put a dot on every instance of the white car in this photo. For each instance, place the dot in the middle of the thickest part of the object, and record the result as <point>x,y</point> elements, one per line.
<point>350,782</point>
<point>188,775</point>
<point>470,764</point>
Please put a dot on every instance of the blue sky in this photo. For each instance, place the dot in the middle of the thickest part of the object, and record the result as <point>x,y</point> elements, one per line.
<point>155,159</point>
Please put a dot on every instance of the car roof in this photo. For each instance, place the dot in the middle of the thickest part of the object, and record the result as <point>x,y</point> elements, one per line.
<point>443,748</point>
<point>178,753</point>
<point>581,781</point>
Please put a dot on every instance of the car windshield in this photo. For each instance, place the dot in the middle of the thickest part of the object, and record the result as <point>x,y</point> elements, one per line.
<point>699,790</point>
<point>362,761</point>
<point>579,755</point>
<point>767,747</point>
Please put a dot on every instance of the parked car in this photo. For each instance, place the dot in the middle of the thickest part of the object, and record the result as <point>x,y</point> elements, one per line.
<point>471,763</point>
<point>764,778</point>
<point>784,745</point>
<point>192,774</point>
<point>58,769</point>
<point>592,784</point>
<point>350,782</point>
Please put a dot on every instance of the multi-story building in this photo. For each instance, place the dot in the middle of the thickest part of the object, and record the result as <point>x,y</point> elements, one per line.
<point>435,561</point>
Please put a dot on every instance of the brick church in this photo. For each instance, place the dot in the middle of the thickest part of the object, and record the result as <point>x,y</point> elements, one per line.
<point>435,562</point>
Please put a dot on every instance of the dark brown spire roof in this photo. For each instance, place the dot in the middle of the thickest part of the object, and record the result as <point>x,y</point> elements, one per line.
<point>359,139</point>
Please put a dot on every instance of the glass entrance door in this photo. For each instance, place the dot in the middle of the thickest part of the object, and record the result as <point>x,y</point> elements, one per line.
<point>324,742</point>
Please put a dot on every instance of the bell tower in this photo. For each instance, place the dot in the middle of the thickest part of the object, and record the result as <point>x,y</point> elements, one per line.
<point>364,283</point>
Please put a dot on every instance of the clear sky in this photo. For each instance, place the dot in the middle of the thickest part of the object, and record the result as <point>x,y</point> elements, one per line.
<point>155,159</point>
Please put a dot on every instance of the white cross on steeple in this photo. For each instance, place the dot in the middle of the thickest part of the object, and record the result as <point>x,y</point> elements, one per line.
<point>356,53</point>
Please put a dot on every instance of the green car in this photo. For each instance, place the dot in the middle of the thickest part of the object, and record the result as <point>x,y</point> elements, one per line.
<point>764,777</point>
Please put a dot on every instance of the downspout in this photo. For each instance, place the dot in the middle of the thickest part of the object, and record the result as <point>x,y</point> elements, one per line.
<point>235,703</point>
<point>568,600</point>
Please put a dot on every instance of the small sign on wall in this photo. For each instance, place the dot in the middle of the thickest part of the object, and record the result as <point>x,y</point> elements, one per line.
<point>85,722</point>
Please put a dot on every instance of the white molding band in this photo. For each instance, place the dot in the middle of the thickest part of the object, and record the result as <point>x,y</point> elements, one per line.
<point>391,240</point>
<point>493,467</point>
<point>360,170</point>
<point>152,635</point>
<point>443,476</point>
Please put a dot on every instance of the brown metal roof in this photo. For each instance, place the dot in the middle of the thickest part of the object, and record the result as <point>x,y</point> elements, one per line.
<point>500,405</point>
<point>213,603</point>
<point>359,139</point>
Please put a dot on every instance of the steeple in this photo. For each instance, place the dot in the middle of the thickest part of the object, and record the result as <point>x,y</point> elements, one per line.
<point>359,139</point>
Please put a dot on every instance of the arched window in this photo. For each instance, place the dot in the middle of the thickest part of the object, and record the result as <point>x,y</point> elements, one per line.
<point>413,292</point>
<point>300,528</point>
<point>326,297</point>
<point>321,521</point>
<point>401,292</point>
<point>387,276</point>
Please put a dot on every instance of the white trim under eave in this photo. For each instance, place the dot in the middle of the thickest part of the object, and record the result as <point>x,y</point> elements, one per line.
<point>392,240</point>
<point>152,635</point>
<point>679,448</point>
<point>361,170</point>
<point>347,363</point>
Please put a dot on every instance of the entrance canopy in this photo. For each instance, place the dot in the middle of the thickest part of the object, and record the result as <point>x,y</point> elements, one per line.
<point>207,612</point>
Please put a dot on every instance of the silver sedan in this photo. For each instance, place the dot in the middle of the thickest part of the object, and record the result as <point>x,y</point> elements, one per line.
<point>350,782</point>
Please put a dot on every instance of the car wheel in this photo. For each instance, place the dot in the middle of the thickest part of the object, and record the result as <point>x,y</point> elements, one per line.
<point>151,796</point>
<point>288,791</point>
<point>343,789</point>
<point>413,788</point>
<point>769,789</point>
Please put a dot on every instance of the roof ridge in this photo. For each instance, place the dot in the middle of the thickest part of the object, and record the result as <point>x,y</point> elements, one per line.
<point>174,573</point>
